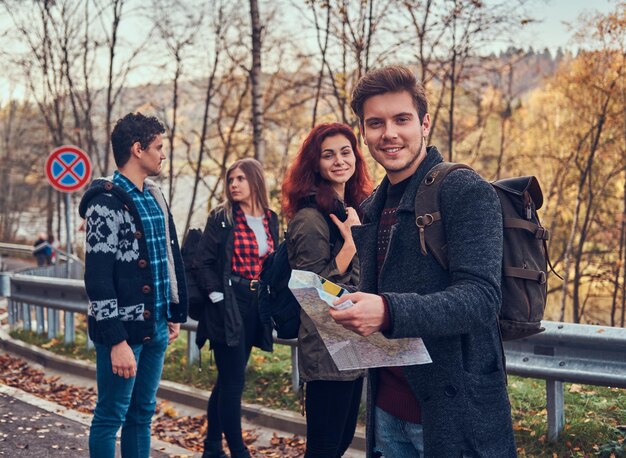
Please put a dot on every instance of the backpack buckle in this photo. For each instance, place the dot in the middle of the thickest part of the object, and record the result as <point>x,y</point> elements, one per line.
<point>254,285</point>
<point>424,220</point>
<point>542,233</point>
<point>430,179</point>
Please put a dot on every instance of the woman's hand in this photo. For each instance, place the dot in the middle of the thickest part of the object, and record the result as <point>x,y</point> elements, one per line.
<point>348,250</point>
<point>345,226</point>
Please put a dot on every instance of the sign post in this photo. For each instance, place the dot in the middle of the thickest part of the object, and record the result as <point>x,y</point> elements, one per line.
<point>68,169</point>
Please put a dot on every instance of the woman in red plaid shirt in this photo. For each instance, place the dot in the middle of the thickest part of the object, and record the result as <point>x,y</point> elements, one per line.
<point>326,182</point>
<point>239,234</point>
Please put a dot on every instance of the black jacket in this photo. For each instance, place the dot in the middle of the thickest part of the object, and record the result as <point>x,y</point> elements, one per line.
<point>221,322</point>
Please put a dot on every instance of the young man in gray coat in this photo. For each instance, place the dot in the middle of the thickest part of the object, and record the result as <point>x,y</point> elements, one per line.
<point>457,406</point>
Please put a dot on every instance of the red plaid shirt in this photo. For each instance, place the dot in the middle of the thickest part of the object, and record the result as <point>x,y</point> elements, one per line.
<point>246,262</point>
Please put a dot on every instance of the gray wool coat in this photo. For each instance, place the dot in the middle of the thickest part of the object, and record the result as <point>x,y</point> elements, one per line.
<point>463,396</point>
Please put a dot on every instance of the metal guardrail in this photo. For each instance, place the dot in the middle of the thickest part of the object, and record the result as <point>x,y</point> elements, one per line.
<point>565,352</point>
<point>578,353</point>
<point>15,249</point>
<point>33,290</point>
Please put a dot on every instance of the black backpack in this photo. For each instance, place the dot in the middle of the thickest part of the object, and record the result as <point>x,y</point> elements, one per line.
<point>277,305</point>
<point>196,296</point>
<point>525,255</point>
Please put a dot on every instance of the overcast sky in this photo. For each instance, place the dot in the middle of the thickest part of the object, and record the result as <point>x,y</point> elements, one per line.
<point>551,30</point>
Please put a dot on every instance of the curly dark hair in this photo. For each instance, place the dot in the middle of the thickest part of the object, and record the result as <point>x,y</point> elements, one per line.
<point>132,128</point>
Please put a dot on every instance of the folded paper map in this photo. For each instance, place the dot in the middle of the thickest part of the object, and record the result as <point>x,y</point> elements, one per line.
<point>348,349</point>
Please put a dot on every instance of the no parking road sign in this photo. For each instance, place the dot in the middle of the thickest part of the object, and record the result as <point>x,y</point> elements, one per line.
<point>68,168</point>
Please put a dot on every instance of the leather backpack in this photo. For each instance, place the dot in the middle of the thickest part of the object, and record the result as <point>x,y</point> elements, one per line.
<point>525,256</point>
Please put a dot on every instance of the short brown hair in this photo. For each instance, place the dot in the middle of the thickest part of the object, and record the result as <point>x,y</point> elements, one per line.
<point>393,78</point>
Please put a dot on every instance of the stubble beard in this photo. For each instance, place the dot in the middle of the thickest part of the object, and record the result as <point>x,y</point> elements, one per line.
<point>413,159</point>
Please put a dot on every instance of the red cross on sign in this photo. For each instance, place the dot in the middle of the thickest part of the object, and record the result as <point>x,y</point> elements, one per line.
<point>68,168</point>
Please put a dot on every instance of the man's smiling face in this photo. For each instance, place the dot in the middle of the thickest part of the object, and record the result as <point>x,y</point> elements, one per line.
<point>394,134</point>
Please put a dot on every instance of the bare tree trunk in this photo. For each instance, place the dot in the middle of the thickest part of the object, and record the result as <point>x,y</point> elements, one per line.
<point>452,75</point>
<point>6,160</point>
<point>207,103</point>
<point>618,264</point>
<point>323,48</point>
<point>117,5</point>
<point>255,80</point>
<point>596,133</point>
<point>622,322</point>
<point>50,210</point>
<point>173,128</point>
<point>622,233</point>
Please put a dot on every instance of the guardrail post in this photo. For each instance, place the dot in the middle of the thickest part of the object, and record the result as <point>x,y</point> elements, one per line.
<point>52,323</point>
<point>19,312</point>
<point>12,313</point>
<point>192,349</point>
<point>26,322</point>
<point>555,407</point>
<point>69,333</point>
<point>295,373</point>
<point>5,284</point>
<point>39,316</point>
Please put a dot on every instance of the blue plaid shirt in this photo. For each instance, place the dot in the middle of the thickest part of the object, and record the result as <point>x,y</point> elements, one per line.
<point>153,222</point>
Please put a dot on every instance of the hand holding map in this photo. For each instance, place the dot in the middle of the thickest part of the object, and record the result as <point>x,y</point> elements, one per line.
<point>349,350</point>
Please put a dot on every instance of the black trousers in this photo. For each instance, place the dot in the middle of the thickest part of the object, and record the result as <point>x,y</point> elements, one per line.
<point>224,407</point>
<point>332,409</point>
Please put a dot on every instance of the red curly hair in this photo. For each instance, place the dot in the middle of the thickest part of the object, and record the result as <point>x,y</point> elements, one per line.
<point>303,178</point>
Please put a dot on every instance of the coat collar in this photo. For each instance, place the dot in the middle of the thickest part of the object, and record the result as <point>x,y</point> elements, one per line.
<point>373,205</point>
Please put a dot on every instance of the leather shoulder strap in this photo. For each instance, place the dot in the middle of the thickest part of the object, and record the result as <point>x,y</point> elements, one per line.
<point>428,215</point>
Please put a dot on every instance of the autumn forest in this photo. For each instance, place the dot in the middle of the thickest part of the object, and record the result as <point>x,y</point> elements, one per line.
<point>234,79</point>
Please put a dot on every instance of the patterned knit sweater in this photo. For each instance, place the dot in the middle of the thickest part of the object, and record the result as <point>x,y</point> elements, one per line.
<point>118,276</point>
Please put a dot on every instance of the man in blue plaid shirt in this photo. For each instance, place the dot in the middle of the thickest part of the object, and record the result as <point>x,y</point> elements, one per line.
<point>136,287</point>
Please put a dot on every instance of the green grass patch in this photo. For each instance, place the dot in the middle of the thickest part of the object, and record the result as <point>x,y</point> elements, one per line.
<point>595,417</point>
<point>77,350</point>
<point>268,377</point>
<point>595,420</point>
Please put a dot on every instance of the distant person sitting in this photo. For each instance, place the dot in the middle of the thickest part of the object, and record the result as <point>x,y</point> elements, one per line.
<point>41,248</point>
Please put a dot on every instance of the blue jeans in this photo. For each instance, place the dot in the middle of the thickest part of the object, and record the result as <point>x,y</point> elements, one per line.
<point>129,403</point>
<point>397,438</point>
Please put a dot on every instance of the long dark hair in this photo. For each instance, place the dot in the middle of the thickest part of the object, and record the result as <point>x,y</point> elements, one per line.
<point>303,178</point>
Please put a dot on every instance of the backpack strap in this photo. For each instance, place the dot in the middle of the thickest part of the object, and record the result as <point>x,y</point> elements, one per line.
<point>428,215</point>
<point>539,232</point>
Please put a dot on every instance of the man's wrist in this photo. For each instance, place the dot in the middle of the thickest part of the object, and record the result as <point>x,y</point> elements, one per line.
<point>386,324</point>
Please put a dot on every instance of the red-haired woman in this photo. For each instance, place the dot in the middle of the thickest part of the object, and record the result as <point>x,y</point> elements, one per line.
<point>239,234</point>
<point>323,185</point>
